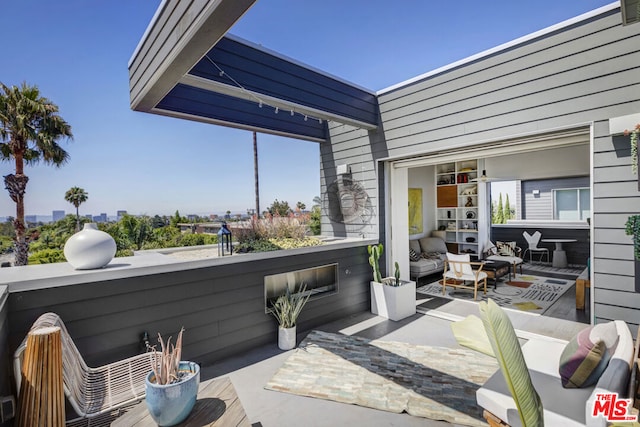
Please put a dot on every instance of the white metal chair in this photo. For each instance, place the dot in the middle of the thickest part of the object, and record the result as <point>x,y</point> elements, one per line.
<point>93,391</point>
<point>459,269</point>
<point>533,240</point>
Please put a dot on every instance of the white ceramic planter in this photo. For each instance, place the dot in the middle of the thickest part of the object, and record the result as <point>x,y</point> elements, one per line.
<point>286,338</point>
<point>393,302</point>
<point>89,248</point>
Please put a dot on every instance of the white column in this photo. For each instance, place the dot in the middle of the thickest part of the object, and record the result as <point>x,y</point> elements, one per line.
<point>397,243</point>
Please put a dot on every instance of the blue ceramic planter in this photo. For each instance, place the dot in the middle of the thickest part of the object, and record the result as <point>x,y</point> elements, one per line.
<point>171,404</point>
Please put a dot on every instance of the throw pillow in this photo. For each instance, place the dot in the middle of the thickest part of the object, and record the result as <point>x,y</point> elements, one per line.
<point>433,244</point>
<point>586,356</point>
<point>413,255</point>
<point>490,249</point>
<point>506,248</point>
<point>415,245</point>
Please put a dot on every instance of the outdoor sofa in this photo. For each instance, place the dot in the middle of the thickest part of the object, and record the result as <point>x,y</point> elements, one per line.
<point>563,406</point>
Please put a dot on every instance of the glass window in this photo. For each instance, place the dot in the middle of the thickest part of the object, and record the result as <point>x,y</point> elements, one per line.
<point>572,204</point>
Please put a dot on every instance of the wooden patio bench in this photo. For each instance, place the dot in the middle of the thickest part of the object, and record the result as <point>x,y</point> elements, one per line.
<point>582,282</point>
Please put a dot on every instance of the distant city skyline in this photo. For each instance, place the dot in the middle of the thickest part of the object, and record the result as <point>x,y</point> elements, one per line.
<point>77,54</point>
<point>106,216</point>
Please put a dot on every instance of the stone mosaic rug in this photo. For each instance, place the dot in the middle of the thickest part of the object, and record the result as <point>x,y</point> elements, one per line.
<point>533,294</point>
<point>432,382</point>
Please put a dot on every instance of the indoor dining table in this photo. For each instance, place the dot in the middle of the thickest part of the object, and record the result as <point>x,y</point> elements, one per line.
<point>559,255</point>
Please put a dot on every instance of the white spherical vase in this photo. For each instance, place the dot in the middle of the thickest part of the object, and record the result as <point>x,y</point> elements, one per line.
<point>89,248</point>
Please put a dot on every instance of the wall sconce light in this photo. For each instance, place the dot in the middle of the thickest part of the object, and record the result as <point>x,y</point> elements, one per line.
<point>536,192</point>
<point>343,169</point>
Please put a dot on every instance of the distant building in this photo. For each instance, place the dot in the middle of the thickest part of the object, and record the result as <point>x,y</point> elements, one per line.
<point>89,217</point>
<point>100,218</point>
<point>192,217</point>
<point>213,216</point>
<point>31,218</point>
<point>120,214</point>
<point>57,215</point>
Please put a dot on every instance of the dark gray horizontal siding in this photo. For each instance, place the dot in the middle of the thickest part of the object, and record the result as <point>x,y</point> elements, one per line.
<point>203,103</point>
<point>221,307</point>
<point>577,252</point>
<point>262,72</point>
<point>551,82</point>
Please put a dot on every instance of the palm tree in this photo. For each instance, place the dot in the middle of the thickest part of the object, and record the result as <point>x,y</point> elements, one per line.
<point>300,206</point>
<point>76,196</point>
<point>30,128</point>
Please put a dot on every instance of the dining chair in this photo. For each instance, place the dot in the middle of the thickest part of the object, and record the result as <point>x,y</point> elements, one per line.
<point>533,240</point>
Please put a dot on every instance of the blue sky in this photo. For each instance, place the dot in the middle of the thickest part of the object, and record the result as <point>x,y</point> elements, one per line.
<point>76,52</point>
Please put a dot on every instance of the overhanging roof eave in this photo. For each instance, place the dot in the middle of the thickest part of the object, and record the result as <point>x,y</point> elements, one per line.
<point>191,39</point>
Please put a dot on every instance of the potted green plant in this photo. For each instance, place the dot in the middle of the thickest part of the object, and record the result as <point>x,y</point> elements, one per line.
<point>632,228</point>
<point>286,309</point>
<point>391,297</point>
<point>172,384</point>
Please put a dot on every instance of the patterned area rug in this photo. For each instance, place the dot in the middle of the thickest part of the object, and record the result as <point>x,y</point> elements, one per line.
<point>533,294</point>
<point>432,382</point>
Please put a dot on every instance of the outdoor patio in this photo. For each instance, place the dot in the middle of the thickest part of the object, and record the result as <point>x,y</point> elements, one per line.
<point>252,370</point>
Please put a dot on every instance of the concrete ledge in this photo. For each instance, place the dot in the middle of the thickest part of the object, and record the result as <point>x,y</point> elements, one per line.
<point>32,277</point>
<point>572,225</point>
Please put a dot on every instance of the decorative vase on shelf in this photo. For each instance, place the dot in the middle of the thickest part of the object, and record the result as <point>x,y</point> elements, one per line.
<point>89,248</point>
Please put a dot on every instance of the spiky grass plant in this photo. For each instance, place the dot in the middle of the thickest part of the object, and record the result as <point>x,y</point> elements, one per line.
<point>287,307</point>
<point>166,363</point>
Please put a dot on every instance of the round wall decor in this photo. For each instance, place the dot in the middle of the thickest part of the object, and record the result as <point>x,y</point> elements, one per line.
<point>347,202</point>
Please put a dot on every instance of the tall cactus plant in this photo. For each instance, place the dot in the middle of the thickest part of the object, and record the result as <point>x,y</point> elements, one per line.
<point>374,255</point>
<point>397,273</point>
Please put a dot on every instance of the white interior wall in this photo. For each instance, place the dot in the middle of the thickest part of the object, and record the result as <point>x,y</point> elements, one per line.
<point>550,163</point>
<point>424,178</point>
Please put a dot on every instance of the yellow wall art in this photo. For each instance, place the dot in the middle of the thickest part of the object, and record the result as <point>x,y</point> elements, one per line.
<point>415,211</point>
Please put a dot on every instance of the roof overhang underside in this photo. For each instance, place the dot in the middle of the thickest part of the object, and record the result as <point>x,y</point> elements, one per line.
<point>202,74</point>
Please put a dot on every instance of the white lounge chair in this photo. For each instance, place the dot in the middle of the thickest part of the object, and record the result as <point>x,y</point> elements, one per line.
<point>92,391</point>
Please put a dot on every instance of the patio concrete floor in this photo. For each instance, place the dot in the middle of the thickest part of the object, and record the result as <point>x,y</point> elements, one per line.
<point>250,372</point>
